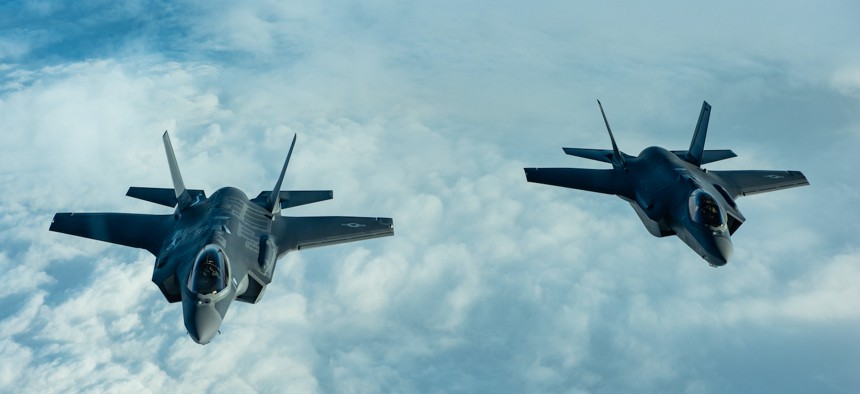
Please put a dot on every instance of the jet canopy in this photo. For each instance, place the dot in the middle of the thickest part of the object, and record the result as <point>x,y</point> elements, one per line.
<point>705,210</point>
<point>209,274</point>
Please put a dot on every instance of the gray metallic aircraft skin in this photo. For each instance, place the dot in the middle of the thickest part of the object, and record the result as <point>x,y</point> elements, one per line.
<point>670,191</point>
<point>212,251</point>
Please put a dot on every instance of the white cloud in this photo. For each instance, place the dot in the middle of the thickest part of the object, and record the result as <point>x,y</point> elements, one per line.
<point>15,360</point>
<point>847,81</point>
<point>428,115</point>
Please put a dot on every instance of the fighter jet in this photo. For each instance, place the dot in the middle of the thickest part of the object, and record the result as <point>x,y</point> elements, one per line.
<point>212,251</point>
<point>671,192</point>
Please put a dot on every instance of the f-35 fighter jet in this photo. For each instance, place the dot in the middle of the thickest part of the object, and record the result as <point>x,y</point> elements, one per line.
<point>214,250</point>
<point>671,192</point>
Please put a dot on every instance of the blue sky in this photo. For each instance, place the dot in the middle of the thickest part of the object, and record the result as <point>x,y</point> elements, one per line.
<point>427,113</point>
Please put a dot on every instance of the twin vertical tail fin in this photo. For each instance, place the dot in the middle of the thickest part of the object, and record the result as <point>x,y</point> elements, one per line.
<point>273,203</point>
<point>697,146</point>
<point>696,155</point>
<point>617,156</point>
<point>183,197</point>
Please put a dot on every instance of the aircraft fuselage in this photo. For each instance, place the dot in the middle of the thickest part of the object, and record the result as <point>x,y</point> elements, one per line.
<point>662,185</point>
<point>229,227</point>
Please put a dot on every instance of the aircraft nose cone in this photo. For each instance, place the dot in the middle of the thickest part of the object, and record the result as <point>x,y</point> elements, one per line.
<point>206,323</point>
<point>723,252</point>
<point>724,245</point>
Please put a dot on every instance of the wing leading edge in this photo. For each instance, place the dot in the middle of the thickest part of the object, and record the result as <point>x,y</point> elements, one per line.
<point>128,229</point>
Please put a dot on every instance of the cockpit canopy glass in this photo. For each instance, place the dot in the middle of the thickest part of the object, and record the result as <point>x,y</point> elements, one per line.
<point>705,210</point>
<point>209,274</point>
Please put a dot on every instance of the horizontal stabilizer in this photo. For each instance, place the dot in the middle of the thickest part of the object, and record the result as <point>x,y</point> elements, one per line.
<point>708,155</point>
<point>162,196</point>
<point>747,182</point>
<point>294,198</point>
<point>604,155</point>
<point>598,181</point>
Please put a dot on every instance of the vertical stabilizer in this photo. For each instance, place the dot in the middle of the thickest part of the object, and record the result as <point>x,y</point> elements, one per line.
<point>617,157</point>
<point>697,146</point>
<point>273,203</point>
<point>182,196</point>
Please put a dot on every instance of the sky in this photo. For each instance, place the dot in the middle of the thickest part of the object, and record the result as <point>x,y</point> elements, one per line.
<point>427,113</point>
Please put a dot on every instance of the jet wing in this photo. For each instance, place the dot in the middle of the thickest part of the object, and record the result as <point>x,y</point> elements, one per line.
<point>309,232</point>
<point>745,183</point>
<point>599,181</point>
<point>128,229</point>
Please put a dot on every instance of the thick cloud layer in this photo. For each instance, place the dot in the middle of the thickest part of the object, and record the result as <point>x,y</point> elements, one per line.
<point>428,113</point>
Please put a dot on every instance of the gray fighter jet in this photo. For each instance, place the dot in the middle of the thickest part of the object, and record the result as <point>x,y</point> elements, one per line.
<point>214,250</point>
<point>671,192</point>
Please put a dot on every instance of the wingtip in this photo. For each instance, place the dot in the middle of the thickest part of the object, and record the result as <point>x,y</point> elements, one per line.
<point>54,225</point>
<point>386,222</point>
